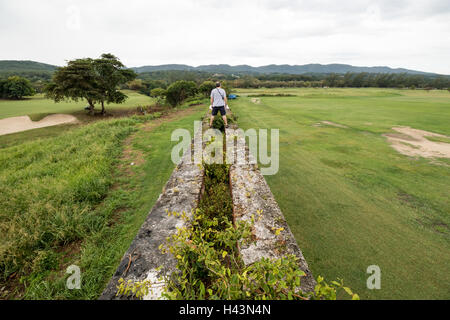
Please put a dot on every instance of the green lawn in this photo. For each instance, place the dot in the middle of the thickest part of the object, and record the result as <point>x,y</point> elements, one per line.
<point>68,196</point>
<point>350,199</point>
<point>75,199</point>
<point>38,105</point>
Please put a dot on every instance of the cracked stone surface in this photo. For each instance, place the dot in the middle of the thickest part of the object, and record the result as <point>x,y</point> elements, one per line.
<point>251,195</point>
<point>273,237</point>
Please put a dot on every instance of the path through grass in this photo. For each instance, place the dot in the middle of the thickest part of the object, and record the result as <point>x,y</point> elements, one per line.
<point>76,199</point>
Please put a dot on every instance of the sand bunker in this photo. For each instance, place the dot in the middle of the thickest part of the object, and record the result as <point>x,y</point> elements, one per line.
<point>329,123</point>
<point>23,123</point>
<point>256,100</point>
<point>412,142</point>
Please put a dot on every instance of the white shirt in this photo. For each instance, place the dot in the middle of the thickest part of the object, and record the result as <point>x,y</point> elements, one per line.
<point>218,95</point>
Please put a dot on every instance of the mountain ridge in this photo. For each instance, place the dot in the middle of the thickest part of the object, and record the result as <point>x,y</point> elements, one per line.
<point>28,65</point>
<point>25,65</point>
<point>282,68</point>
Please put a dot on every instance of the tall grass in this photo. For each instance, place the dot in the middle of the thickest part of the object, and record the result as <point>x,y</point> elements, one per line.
<point>48,189</point>
<point>74,198</point>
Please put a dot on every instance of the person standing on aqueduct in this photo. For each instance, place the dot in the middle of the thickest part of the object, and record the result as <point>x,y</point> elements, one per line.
<point>218,103</point>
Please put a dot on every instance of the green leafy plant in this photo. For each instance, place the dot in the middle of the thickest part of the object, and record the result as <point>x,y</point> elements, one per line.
<point>208,261</point>
<point>179,91</point>
<point>209,267</point>
<point>15,88</point>
<point>158,93</point>
<point>138,289</point>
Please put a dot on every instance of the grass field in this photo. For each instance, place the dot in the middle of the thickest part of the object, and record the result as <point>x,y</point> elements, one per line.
<point>68,194</point>
<point>75,198</point>
<point>350,199</point>
<point>38,106</point>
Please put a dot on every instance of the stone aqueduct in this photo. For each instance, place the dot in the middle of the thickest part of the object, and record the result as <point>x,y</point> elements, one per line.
<point>182,192</point>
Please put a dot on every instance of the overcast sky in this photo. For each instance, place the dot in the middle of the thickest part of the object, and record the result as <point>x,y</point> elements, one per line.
<point>413,34</point>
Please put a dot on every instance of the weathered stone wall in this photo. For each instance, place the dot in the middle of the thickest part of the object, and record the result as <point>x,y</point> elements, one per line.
<point>140,262</point>
<point>252,197</point>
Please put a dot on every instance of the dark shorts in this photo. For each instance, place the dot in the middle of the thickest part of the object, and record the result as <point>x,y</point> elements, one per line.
<point>217,109</point>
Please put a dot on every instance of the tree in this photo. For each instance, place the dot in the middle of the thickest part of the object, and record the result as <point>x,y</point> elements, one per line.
<point>2,88</point>
<point>95,80</point>
<point>158,93</point>
<point>109,74</point>
<point>179,91</point>
<point>15,87</point>
<point>136,84</point>
<point>331,80</point>
<point>74,82</point>
<point>227,86</point>
<point>206,87</point>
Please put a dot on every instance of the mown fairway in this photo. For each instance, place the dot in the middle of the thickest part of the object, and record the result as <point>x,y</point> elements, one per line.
<point>75,198</point>
<point>349,198</point>
<point>39,105</point>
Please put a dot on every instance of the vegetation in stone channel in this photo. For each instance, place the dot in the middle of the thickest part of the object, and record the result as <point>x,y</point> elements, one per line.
<point>208,261</point>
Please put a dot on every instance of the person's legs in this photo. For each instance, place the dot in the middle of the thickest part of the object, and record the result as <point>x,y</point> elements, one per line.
<point>213,114</point>
<point>223,113</point>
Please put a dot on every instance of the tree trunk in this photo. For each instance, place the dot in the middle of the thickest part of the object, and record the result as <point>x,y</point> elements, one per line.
<point>103,108</point>
<point>91,107</point>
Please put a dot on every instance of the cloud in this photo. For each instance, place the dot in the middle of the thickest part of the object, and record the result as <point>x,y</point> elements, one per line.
<point>412,34</point>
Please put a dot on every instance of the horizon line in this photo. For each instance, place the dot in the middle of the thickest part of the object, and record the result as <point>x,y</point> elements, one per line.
<point>253,66</point>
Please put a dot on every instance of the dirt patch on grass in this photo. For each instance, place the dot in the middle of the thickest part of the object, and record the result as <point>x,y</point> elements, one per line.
<point>67,253</point>
<point>413,142</point>
<point>400,136</point>
<point>256,100</point>
<point>130,157</point>
<point>435,225</point>
<point>329,123</point>
<point>24,123</point>
<point>12,288</point>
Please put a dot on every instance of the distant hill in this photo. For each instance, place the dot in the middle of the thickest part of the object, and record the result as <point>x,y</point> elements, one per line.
<point>11,66</point>
<point>285,68</point>
<point>164,67</point>
<point>25,66</point>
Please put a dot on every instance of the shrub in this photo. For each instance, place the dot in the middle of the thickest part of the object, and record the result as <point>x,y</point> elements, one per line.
<point>218,123</point>
<point>2,87</point>
<point>135,84</point>
<point>158,93</point>
<point>208,261</point>
<point>227,87</point>
<point>206,87</point>
<point>180,90</point>
<point>16,88</point>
